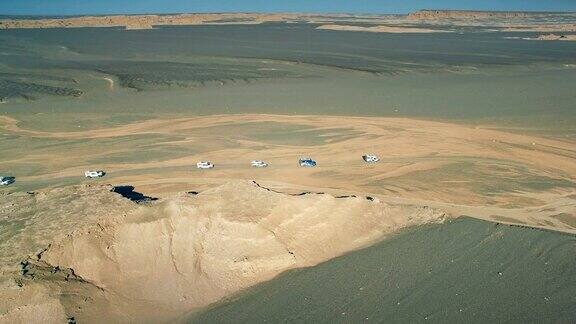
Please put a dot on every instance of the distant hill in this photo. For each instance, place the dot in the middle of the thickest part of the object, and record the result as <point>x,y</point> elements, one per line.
<point>469,14</point>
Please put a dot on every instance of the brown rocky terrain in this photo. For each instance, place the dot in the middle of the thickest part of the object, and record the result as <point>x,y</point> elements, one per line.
<point>554,37</point>
<point>139,21</point>
<point>567,28</point>
<point>464,14</point>
<point>509,21</point>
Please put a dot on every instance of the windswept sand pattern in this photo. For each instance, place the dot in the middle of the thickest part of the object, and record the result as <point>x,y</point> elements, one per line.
<point>473,122</point>
<point>458,167</point>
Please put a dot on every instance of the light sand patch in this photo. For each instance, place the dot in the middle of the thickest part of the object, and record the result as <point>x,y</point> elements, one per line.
<point>380,29</point>
<point>420,160</point>
<point>380,135</point>
<point>423,160</point>
<point>555,37</point>
<point>548,37</point>
<point>110,83</point>
<point>562,28</point>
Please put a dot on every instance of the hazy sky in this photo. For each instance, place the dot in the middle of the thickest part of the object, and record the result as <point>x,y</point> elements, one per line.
<point>63,7</point>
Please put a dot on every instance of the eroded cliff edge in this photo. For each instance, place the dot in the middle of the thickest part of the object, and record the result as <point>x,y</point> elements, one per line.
<point>160,259</point>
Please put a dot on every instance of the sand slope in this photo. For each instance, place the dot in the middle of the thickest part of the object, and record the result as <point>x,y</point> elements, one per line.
<point>462,271</point>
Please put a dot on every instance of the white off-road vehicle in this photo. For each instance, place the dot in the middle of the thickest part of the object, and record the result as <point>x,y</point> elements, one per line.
<point>370,158</point>
<point>4,181</point>
<point>94,174</point>
<point>204,165</point>
<point>258,164</point>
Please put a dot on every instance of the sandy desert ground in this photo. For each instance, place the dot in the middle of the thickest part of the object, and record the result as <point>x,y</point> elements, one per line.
<point>157,239</point>
<point>463,159</point>
<point>120,257</point>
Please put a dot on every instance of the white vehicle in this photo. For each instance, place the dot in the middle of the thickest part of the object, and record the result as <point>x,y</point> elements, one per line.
<point>94,174</point>
<point>4,181</point>
<point>306,162</point>
<point>204,165</point>
<point>370,158</point>
<point>258,164</point>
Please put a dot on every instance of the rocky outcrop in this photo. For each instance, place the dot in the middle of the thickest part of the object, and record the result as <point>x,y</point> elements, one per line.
<point>185,252</point>
<point>554,37</point>
<point>138,21</point>
<point>558,28</point>
<point>464,14</point>
<point>32,220</point>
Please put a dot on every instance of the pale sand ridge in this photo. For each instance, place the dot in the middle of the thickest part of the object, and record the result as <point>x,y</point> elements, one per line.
<point>381,29</point>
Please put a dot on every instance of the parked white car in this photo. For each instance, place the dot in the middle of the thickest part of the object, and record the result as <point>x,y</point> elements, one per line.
<point>370,158</point>
<point>258,164</point>
<point>94,174</point>
<point>306,162</point>
<point>4,181</point>
<point>204,165</point>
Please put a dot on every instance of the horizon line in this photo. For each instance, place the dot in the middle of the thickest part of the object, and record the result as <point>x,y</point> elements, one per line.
<point>127,13</point>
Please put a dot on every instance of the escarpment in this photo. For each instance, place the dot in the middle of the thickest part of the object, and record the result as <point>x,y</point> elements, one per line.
<point>465,14</point>
<point>185,252</point>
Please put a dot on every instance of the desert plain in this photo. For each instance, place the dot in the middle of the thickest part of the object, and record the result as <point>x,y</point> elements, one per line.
<point>471,114</point>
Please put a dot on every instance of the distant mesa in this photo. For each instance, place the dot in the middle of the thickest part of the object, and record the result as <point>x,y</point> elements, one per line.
<point>139,21</point>
<point>135,22</point>
<point>555,37</point>
<point>465,14</point>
